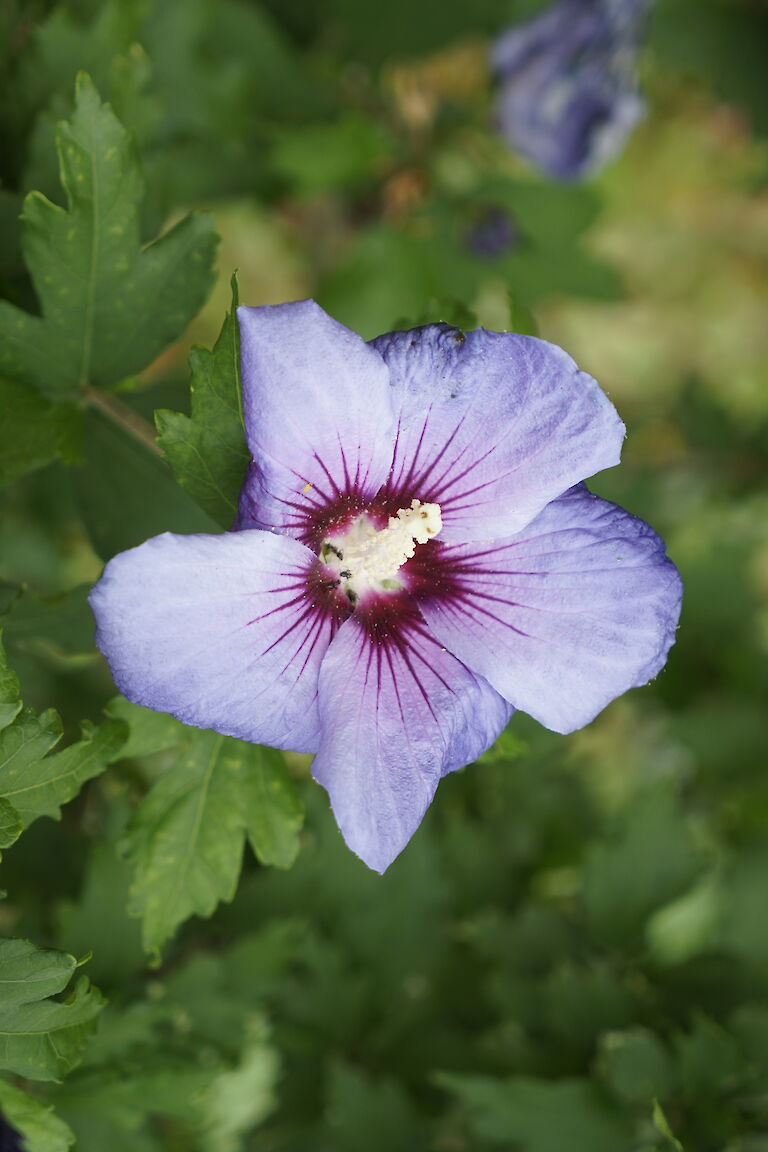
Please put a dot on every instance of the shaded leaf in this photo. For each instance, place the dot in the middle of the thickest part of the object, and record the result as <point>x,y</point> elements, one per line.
<point>108,306</point>
<point>578,1003</point>
<point>540,1115</point>
<point>636,1066</point>
<point>373,32</point>
<point>274,811</point>
<point>722,45</point>
<point>149,732</point>
<point>97,922</point>
<point>60,624</point>
<point>33,431</point>
<point>711,1059</point>
<point>624,882</point>
<point>744,925</point>
<point>207,450</point>
<point>127,493</point>
<point>366,1113</point>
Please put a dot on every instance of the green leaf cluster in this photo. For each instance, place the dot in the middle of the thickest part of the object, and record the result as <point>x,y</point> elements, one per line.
<point>166,1065</point>
<point>109,305</point>
<point>32,782</point>
<point>41,1038</point>
<point>572,952</point>
<point>186,841</point>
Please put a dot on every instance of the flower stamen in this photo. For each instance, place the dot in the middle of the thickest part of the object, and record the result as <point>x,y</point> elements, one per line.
<point>369,558</point>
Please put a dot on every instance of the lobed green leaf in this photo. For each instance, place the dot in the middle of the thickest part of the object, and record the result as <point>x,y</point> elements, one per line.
<point>541,1115</point>
<point>38,785</point>
<point>207,450</point>
<point>32,783</point>
<point>272,809</point>
<point>29,973</point>
<point>40,1038</point>
<point>108,305</point>
<point>40,1129</point>
<point>11,826</point>
<point>187,841</point>
<point>10,698</point>
<point>44,1041</point>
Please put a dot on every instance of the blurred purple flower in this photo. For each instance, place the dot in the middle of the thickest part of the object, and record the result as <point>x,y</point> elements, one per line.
<point>568,96</point>
<point>493,233</point>
<point>414,557</point>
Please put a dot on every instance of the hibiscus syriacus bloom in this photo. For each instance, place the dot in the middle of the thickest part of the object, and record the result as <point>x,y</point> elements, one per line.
<point>415,556</point>
<point>568,96</point>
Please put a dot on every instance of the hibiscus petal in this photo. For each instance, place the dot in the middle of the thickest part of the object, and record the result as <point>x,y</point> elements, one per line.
<point>397,713</point>
<point>318,415</point>
<point>492,426</point>
<point>568,96</point>
<point>565,616</point>
<point>223,632</point>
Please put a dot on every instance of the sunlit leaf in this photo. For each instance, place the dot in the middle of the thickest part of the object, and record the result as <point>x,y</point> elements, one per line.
<point>662,1125</point>
<point>40,1038</point>
<point>36,1123</point>
<point>11,826</point>
<point>10,700</point>
<point>149,732</point>
<point>240,1097</point>
<point>187,840</point>
<point>38,785</point>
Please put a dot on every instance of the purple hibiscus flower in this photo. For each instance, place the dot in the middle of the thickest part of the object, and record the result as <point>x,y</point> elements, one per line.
<point>568,96</point>
<point>415,556</point>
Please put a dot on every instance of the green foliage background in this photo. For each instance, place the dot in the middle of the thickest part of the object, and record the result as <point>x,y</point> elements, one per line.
<point>573,951</point>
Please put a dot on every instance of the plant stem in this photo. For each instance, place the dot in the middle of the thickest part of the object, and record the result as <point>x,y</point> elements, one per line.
<point>119,413</point>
